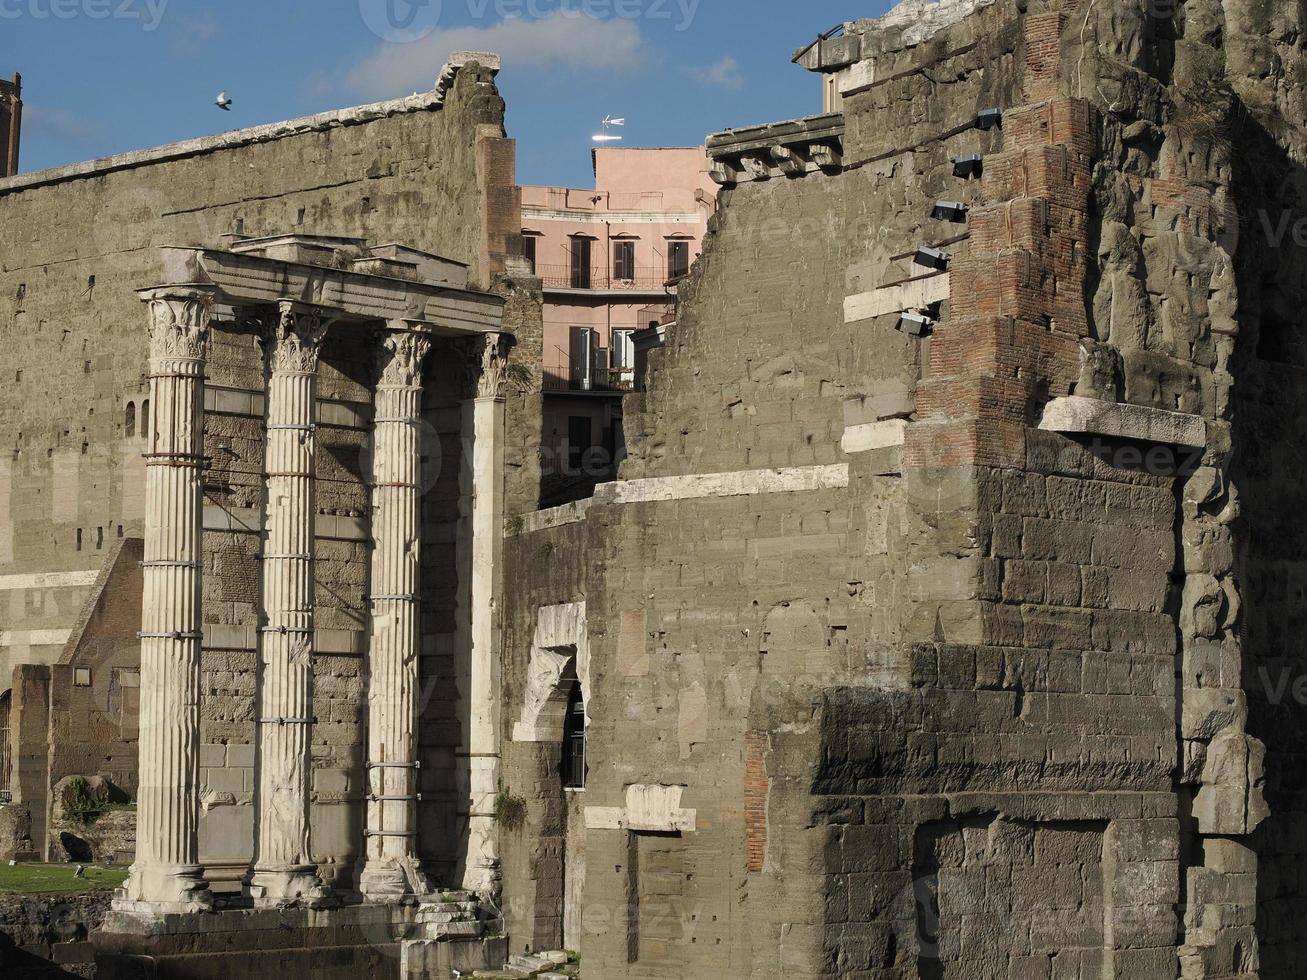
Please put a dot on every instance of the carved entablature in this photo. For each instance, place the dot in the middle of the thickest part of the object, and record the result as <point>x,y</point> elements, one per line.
<point>296,339</point>
<point>791,149</point>
<point>487,365</point>
<point>179,322</point>
<point>402,348</point>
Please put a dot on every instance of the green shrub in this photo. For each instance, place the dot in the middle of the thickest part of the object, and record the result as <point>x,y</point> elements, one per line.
<point>510,810</point>
<point>79,804</point>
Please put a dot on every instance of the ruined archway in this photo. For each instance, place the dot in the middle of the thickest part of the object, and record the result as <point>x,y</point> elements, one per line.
<point>555,707</point>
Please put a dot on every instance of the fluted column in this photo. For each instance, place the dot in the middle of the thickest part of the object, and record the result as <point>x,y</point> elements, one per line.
<point>284,872</point>
<point>391,869</point>
<point>166,876</point>
<point>484,413</point>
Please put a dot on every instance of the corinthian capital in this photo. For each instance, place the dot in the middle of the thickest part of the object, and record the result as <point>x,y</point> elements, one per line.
<point>488,364</point>
<point>403,348</point>
<point>179,321</point>
<point>297,337</point>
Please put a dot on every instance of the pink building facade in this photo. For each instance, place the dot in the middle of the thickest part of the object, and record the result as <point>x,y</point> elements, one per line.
<point>609,259</point>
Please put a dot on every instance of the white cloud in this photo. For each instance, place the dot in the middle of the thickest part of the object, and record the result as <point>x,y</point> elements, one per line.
<point>721,74</point>
<point>564,42</point>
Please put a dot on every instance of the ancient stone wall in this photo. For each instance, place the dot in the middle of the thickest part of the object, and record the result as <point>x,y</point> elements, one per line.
<point>75,250</point>
<point>433,173</point>
<point>995,700</point>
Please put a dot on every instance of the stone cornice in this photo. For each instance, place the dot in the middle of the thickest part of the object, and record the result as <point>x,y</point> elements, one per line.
<point>1078,415</point>
<point>425,102</point>
<point>793,148</point>
<point>253,280</point>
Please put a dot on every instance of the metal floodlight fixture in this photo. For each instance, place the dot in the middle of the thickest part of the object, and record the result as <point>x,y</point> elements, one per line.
<point>914,324</point>
<point>954,211</point>
<point>989,119</point>
<point>931,258</point>
<point>969,166</point>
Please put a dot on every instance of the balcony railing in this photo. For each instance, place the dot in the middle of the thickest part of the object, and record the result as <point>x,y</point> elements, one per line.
<point>565,277</point>
<point>562,373</point>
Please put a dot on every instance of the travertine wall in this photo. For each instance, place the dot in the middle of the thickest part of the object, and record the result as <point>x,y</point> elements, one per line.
<point>994,702</point>
<point>436,177</point>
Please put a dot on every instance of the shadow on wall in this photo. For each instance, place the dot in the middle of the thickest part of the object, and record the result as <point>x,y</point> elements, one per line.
<point>1270,538</point>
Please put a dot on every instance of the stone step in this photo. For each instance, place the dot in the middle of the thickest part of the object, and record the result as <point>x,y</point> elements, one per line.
<point>455,930</point>
<point>447,913</point>
<point>471,906</point>
<point>532,964</point>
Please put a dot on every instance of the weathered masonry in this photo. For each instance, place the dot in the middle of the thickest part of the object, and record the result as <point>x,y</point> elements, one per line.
<point>266,410</point>
<point>944,621</point>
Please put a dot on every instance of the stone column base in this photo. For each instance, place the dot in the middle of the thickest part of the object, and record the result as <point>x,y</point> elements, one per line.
<point>389,880</point>
<point>285,887</point>
<point>164,890</point>
<point>484,878</point>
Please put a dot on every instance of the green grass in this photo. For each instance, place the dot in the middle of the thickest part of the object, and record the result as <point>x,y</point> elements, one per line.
<point>56,879</point>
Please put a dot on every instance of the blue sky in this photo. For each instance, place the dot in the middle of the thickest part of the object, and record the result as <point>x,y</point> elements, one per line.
<point>105,76</point>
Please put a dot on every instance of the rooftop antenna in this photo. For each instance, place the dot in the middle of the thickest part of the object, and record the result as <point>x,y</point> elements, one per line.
<point>606,136</point>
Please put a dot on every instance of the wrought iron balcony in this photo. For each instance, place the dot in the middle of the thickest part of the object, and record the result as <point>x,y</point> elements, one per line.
<point>563,373</point>
<point>643,279</point>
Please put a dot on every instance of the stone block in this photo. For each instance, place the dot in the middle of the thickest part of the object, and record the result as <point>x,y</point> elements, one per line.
<point>1078,415</point>
<point>213,756</point>
<point>1230,801</point>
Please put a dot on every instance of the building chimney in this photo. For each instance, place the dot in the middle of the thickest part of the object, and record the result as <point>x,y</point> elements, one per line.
<point>11,122</point>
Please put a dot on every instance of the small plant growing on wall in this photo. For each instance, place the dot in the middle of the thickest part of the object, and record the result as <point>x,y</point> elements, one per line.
<point>510,810</point>
<point>84,801</point>
<point>80,806</point>
<point>513,526</point>
<point>546,552</point>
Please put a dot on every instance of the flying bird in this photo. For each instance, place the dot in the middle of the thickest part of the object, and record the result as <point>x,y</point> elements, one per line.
<point>222,102</point>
